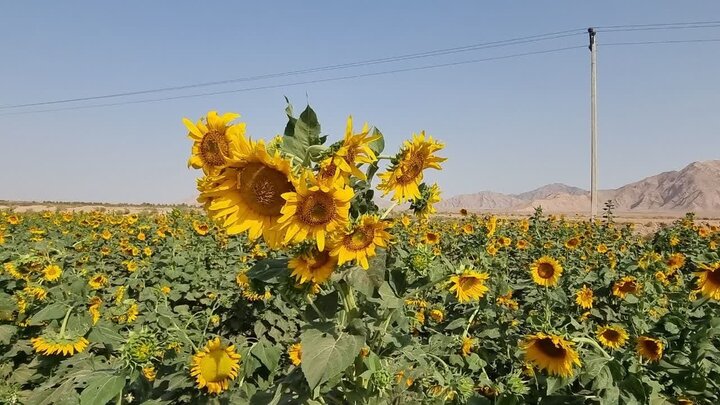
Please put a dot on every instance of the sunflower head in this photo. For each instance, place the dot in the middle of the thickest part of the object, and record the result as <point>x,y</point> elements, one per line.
<point>359,243</point>
<point>295,354</point>
<point>313,266</point>
<point>708,281</point>
<point>626,285</point>
<point>546,271</point>
<point>355,150</point>
<point>469,286</point>
<point>467,346</point>
<point>551,353</point>
<point>572,243</point>
<point>52,343</point>
<point>584,297</point>
<point>424,206</point>
<point>215,365</point>
<point>612,336</point>
<point>431,238</point>
<point>212,138</point>
<point>650,349</point>
<point>52,272</point>
<point>406,173</point>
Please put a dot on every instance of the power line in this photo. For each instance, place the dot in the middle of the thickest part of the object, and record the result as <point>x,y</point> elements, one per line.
<point>670,42</point>
<point>657,28</point>
<point>658,25</point>
<point>427,67</point>
<point>437,52</point>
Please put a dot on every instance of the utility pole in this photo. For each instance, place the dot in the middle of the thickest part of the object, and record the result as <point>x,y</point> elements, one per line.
<point>593,124</point>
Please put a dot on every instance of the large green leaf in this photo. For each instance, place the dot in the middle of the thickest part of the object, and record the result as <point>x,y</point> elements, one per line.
<point>102,389</point>
<point>268,354</point>
<point>52,311</point>
<point>269,271</point>
<point>325,356</point>
<point>6,333</point>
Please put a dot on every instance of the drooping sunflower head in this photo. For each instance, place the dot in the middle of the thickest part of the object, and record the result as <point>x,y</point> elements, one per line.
<point>424,206</point>
<point>295,354</point>
<point>215,365</point>
<point>52,343</point>
<point>546,271</point>
<point>649,348</point>
<point>212,139</point>
<point>626,285</point>
<point>313,266</point>
<point>584,297</point>
<point>315,209</point>
<point>551,353</point>
<point>406,173</point>
<point>708,281</point>
<point>355,150</point>
<point>247,195</point>
<point>469,286</point>
<point>612,336</point>
<point>360,242</point>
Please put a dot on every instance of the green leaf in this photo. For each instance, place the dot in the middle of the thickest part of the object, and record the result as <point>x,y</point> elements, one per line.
<point>102,389</point>
<point>52,311</point>
<point>377,145</point>
<point>556,383</point>
<point>270,271</point>
<point>325,357</point>
<point>360,280</point>
<point>268,354</point>
<point>6,333</point>
<point>104,332</point>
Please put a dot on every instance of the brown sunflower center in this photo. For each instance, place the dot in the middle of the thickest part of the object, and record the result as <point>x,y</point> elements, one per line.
<point>713,276</point>
<point>573,242</point>
<point>261,187</point>
<point>214,147</point>
<point>545,270</point>
<point>319,260</point>
<point>611,335</point>
<point>410,168</point>
<point>468,283</point>
<point>651,347</point>
<point>359,239</point>
<point>317,208</point>
<point>628,286</point>
<point>550,349</point>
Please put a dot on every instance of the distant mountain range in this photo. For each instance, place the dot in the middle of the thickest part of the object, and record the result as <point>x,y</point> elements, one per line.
<point>694,188</point>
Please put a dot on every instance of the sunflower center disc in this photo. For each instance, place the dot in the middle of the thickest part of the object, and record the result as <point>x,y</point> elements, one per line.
<point>714,276</point>
<point>359,239</point>
<point>317,208</point>
<point>213,148</point>
<point>628,286</point>
<point>410,169</point>
<point>545,270</point>
<point>611,335</point>
<point>319,260</point>
<point>261,187</point>
<point>651,347</point>
<point>551,349</point>
<point>468,283</point>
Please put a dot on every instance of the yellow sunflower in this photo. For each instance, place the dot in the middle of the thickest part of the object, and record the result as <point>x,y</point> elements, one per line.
<point>200,228</point>
<point>584,297</point>
<point>313,266</point>
<point>469,286</point>
<point>676,261</point>
<point>437,315</point>
<point>52,272</point>
<point>355,150</point>
<point>212,140</point>
<point>425,205</point>
<point>551,353</point>
<point>56,344</point>
<point>468,229</point>
<point>626,285</point>
<point>360,242</point>
<point>295,354</point>
<point>315,209</point>
<point>215,365</point>
<point>612,336</point>
<point>247,195</point>
<point>431,238</point>
<point>467,346</point>
<point>406,173</point>
<point>97,281</point>
<point>572,243</point>
<point>546,271</point>
<point>649,348</point>
<point>708,281</point>
<point>491,226</point>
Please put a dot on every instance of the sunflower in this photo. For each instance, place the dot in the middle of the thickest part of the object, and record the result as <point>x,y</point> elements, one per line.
<point>584,297</point>
<point>437,315</point>
<point>522,244</point>
<point>295,354</point>
<point>424,206</point>
<point>675,261</point>
<point>52,272</point>
<point>649,348</point>
<point>613,337</point>
<point>572,243</point>
<point>463,212</point>
<point>626,285</point>
<point>406,173</point>
<point>355,150</point>
<point>62,344</point>
<point>360,242</point>
<point>315,209</point>
<point>708,281</point>
<point>94,308</point>
<point>247,195</point>
<point>468,229</point>
<point>200,228</point>
<point>546,271</point>
<point>149,373</point>
<point>212,140</point>
<point>97,281</point>
<point>467,345</point>
<point>491,226</point>
<point>431,238</point>
<point>469,286</point>
<point>551,353</point>
<point>313,266</point>
<point>215,365</point>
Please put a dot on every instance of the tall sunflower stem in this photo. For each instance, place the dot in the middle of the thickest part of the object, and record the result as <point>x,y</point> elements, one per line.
<point>65,321</point>
<point>595,345</point>
<point>348,301</point>
<point>470,321</point>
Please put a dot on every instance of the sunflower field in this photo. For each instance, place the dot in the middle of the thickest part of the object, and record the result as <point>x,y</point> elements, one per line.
<point>291,286</point>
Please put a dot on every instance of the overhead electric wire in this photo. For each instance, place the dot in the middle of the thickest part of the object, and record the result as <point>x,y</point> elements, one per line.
<point>273,86</point>
<point>657,25</point>
<point>437,52</point>
<point>670,42</point>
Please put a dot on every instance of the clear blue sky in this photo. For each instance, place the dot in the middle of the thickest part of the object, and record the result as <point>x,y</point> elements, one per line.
<point>509,125</point>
